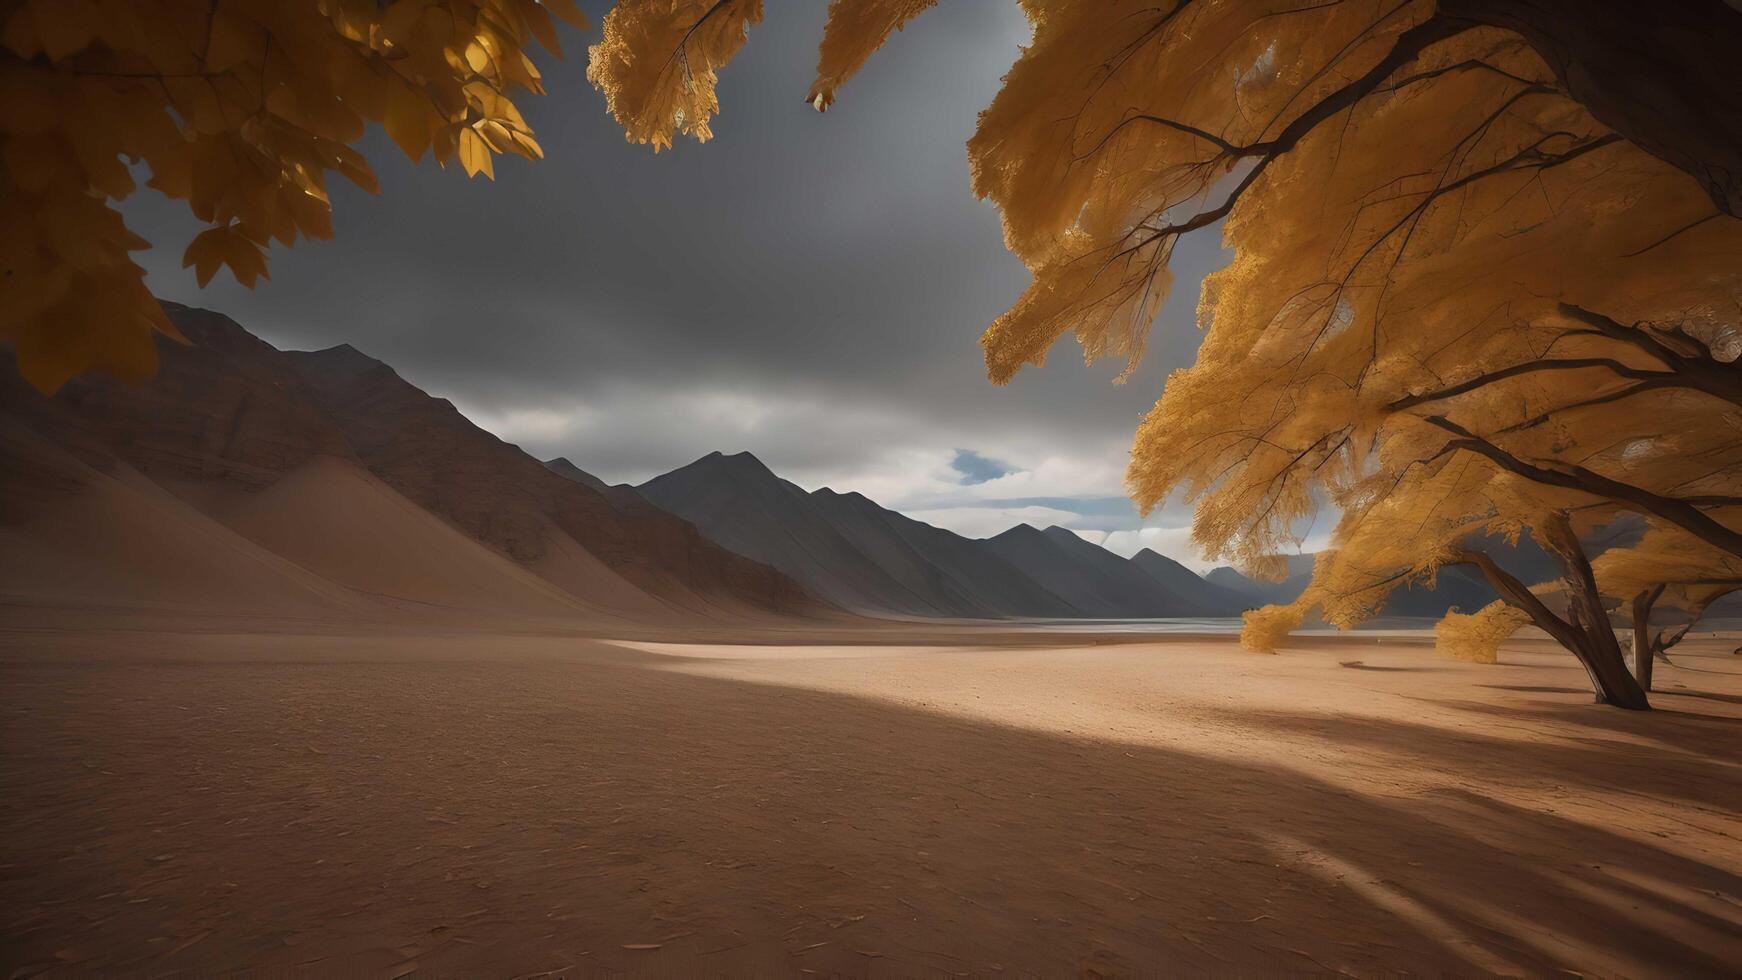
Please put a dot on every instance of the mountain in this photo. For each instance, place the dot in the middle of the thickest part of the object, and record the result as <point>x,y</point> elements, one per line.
<point>246,478</point>
<point>743,506</point>
<point>621,495</point>
<point>852,551</point>
<point>867,558</point>
<point>1187,584</point>
<point>1099,583</point>
<point>563,468</point>
<point>424,448</point>
<point>971,580</point>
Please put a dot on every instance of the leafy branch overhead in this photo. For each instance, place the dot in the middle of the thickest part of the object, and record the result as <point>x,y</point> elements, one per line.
<point>240,108</point>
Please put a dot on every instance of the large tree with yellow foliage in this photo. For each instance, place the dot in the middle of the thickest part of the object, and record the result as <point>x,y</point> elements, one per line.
<point>1487,274</point>
<point>241,108</point>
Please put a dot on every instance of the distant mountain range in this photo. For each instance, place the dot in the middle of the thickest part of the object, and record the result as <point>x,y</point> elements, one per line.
<point>866,558</point>
<point>247,479</point>
<point>243,476</point>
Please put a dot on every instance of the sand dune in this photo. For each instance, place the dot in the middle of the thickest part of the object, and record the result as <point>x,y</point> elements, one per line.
<point>82,539</point>
<point>503,805</point>
<point>342,523</point>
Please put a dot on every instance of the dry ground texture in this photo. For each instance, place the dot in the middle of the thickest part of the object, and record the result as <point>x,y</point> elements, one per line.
<point>867,804</point>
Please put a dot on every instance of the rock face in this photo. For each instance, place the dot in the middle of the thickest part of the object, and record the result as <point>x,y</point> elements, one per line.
<point>231,414</point>
<point>1189,585</point>
<point>424,448</point>
<point>868,558</point>
<point>227,406</point>
<point>1101,584</point>
<point>742,506</point>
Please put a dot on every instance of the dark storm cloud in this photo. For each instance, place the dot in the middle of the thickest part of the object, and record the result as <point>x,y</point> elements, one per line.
<point>808,287</point>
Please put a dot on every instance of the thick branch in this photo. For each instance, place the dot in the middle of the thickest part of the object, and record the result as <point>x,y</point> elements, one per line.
<point>1684,512</point>
<point>1641,388</point>
<point>1518,595</point>
<point>1661,74</point>
<point>1528,367</point>
<point>1409,44</point>
<point>1690,360</point>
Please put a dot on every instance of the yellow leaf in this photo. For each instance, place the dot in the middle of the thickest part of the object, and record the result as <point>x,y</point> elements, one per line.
<point>64,27</point>
<point>475,154</point>
<point>570,13</point>
<point>399,20</point>
<point>477,58</point>
<point>225,245</point>
<point>527,146</point>
<point>234,40</point>
<point>538,19</point>
<point>205,254</point>
<point>408,119</point>
<point>496,135</point>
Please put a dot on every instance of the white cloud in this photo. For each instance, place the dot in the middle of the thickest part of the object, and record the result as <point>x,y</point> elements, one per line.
<point>535,425</point>
<point>984,522</point>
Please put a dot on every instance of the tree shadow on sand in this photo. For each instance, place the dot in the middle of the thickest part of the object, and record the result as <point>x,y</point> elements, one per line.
<point>536,815</point>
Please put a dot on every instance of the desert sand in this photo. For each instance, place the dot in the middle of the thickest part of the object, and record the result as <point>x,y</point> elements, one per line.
<point>901,801</point>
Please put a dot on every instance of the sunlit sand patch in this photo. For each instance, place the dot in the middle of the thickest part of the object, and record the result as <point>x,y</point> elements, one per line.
<point>734,651</point>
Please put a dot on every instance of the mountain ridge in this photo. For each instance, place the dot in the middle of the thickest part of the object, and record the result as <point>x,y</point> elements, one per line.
<point>271,454</point>
<point>869,558</point>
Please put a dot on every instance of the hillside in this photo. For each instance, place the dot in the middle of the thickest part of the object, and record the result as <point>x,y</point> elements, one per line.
<point>245,478</point>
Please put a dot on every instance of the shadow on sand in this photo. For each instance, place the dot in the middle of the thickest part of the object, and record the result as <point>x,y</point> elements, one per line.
<point>537,816</point>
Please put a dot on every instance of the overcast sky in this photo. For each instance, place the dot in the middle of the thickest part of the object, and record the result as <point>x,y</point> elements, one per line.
<point>807,287</point>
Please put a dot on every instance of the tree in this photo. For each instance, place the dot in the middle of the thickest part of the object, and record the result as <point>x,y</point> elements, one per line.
<point>1487,273</point>
<point>239,107</point>
<point>1667,568</point>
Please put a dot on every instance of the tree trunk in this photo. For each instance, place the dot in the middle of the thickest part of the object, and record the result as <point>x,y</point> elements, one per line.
<point>1603,662</point>
<point>1585,632</point>
<point>1597,647</point>
<point>1644,652</point>
<point>1663,75</point>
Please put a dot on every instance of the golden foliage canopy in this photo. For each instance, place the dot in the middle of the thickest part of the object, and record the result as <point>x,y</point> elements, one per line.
<point>659,60</point>
<point>1477,637</point>
<point>241,108</point>
<point>1265,628</point>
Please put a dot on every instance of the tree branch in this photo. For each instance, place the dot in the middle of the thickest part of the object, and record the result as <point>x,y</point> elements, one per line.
<point>1684,512</point>
<point>1518,595</point>
<point>1528,367</point>
<point>1688,357</point>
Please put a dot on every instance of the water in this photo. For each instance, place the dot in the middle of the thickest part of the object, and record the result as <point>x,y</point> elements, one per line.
<point>1223,626</point>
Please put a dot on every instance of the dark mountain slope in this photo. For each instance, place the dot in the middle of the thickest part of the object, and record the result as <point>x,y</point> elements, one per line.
<point>970,579</point>
<point>867,557</point>
<point>425,449</point>
<point>742,506</point>
<point>1098,583</point>
<point>1187,584</point>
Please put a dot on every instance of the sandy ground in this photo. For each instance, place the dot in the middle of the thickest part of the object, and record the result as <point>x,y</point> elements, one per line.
<point>905,804</point>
